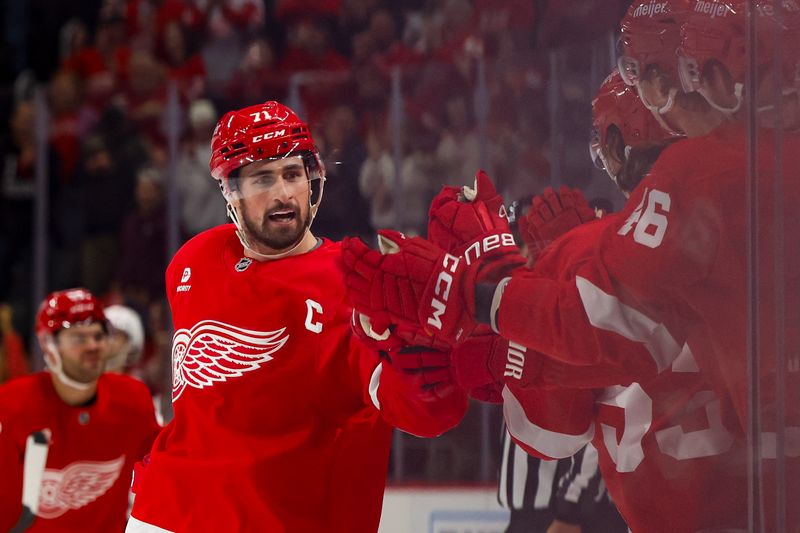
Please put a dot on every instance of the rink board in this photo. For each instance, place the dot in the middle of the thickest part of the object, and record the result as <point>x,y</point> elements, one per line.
<point>442,510</point>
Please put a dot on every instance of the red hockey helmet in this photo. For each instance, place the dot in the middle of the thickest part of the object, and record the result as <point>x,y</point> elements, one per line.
<point>650,35</point>
<point>64,309</point>
<point>714,30</point>
<point>254,133</point>
<point>618,104</point>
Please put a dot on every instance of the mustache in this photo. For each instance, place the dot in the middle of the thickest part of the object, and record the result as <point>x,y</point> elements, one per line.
<point>284,207</point>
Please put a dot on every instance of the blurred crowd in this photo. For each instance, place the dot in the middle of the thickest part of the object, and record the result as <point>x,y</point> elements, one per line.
<point>114,71</point>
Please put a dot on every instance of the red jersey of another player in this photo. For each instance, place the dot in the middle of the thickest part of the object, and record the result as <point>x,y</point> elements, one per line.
<point>280,412</point>
<point>661,439</point>
<point>91,455</point>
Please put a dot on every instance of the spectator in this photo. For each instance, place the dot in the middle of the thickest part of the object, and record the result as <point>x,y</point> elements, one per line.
<point>106,199</point>
<point>178,48</point>
<point>256,79</point>
<point>143,243</point>
<point>200,208</point>
<point>146,95</point>
<point>377,181</point>
<point>459,148</point>
<point>231,25</point>
<point>65,102</point>
<point>13,360</point>
<point>347,212</point>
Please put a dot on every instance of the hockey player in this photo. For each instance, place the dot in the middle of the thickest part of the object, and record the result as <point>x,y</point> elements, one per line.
<point>668,276</point>
<point>94,425</point>
<point>282,417</point>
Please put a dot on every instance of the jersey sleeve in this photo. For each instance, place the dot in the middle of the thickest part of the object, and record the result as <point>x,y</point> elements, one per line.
<point>550,424</point>
<point>583,322</point>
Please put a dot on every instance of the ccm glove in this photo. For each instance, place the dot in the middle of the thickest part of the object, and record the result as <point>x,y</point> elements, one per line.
<point>415,283</point>
<point>465,221</point>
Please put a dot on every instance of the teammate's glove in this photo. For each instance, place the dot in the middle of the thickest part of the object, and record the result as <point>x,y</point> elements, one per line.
<point>463,221</point>
<point>415,283</point>
<point>426,360</point>
<point>428,370</point>
<point>422,360</point>
<point>551,216</point>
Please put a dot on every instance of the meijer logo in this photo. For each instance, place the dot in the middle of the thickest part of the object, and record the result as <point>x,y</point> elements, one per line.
<point>711,8</point>
<point>653,8</point>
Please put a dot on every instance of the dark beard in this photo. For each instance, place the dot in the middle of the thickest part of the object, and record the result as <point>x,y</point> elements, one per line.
<point>275,240</point>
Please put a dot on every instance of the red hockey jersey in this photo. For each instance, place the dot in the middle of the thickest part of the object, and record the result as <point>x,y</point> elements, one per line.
<point>91,455</point>
<point>661,441</point>
<point>671,270</point>
<point>282,417</point>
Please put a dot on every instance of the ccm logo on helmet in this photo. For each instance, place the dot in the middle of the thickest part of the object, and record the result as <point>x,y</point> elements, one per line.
<point>651,9</point>
<point>711,8</point>
<point>441,290</point>
<point>269,135</point>
<point>487,244</point>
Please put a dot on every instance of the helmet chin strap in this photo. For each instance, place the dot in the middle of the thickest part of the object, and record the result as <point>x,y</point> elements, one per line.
<point>57,369</point>
<point>728,111</point>
<point>657,111</point>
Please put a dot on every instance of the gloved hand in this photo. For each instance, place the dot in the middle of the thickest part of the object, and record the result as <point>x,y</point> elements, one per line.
<point>414,283</point>
<point>464,220</point>
<point>426,360</point>
<point>428,371</point>
<point>551,216</point>
<point>422,360</point>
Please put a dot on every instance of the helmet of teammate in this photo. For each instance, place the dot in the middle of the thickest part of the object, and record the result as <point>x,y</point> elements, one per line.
<point>62,310</point>
<point>617,104</point>
<point>714,30</point>
<point>265,131</point>
<point>650,34</point>
<point>125,320</point>
<point>68,308</point>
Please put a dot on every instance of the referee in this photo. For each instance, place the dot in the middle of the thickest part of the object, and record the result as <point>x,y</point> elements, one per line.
<point>563,496</point>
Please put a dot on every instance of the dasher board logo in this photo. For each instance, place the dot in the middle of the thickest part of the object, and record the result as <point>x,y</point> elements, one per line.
<point>76,485</point>
<point>212,352</point>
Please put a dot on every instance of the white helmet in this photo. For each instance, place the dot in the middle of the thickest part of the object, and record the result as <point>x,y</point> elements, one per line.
<point>126,320</point>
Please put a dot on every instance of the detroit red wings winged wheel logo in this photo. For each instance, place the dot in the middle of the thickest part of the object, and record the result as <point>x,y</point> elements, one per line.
<point>212,352</point>
<point>76,485</point>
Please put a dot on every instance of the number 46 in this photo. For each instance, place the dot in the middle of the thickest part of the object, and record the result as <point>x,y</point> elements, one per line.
<point>644,218</point>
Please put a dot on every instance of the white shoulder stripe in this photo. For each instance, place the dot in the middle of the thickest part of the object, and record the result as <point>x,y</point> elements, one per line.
<point>608,313</point>
<point>549,443</point>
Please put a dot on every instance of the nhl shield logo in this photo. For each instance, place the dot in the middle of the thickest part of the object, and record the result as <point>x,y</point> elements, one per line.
<point>243,263</point>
